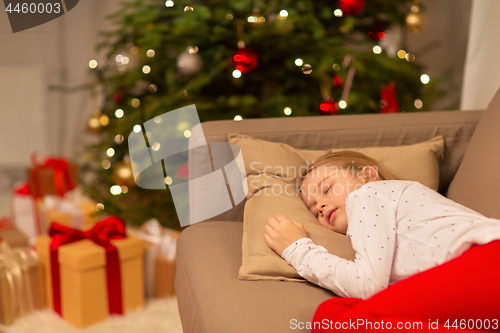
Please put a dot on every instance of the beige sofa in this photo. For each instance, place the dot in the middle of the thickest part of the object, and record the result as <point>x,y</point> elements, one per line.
<point>211,298</point>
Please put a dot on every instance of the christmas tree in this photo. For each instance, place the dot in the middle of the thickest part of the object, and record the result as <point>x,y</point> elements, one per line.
<point>242,59</point>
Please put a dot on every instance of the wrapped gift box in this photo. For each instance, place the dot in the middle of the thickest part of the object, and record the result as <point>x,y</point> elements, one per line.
<point>21,283</point>
<point>84,280</point>
<point>24,212</point>
<point>74,210</point>
<point>159,258</point>
<point>11,236</point>
<point>55,176</point>
<point>14,238</point>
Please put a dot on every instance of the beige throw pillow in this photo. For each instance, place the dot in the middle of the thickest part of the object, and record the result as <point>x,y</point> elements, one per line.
<point>272,170</point>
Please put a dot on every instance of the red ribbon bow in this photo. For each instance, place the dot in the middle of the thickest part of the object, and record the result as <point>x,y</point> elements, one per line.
<point>101,234</point>
<point>62,176</point>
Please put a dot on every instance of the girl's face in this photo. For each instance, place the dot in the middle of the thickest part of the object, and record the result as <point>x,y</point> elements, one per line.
<point>325,190</point>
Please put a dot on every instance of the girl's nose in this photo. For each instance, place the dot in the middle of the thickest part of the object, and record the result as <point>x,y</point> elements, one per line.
<point>321,207</point>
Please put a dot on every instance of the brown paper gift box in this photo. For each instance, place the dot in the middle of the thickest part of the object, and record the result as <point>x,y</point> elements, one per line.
<point>84,298</point>
<point>82,217</point>
<point>164,271</point>
<point>21,284</point>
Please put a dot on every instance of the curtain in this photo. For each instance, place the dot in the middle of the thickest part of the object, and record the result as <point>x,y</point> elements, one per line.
<point>482,68</point>
<point>32,116</point>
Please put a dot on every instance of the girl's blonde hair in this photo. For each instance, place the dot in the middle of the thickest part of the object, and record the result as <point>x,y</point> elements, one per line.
<point>350,160</point>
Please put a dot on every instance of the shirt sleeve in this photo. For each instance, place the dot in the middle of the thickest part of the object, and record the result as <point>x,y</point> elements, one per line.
<point>372,231</point>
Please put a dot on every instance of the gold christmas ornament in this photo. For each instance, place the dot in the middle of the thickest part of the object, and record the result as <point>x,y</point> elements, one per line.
<point>415,20</point>
<point>123,174</point>
<point>97,121</point>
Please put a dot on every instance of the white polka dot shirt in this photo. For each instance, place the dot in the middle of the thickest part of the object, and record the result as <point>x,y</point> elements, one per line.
<point>397,228</point>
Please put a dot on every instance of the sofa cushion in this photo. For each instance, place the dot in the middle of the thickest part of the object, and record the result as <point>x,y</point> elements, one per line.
<point>417,162</point>
<point>477,181</point>
<point>272,172</point>
<point>276,196</point>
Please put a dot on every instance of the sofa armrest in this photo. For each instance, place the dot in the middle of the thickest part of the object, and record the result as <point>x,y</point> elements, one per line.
<point>346,131</point>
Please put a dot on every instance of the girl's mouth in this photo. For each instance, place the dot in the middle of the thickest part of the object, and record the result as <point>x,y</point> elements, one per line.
<point>331,215</point>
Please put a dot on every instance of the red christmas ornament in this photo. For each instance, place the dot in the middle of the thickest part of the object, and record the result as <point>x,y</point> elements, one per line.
<point>351,7</point>
<point>337,81</point>
<point>328,107</point>
<point>245,60</point>
<point>377,32</point>
<point>117,97</point>
<point>388,100</point>
<point>183,172</point>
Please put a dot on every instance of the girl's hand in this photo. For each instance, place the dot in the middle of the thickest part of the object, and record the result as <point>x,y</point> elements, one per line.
<point>281,232</point>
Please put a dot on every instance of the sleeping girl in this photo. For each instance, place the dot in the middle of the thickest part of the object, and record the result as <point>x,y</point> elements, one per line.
<point>417,253</point>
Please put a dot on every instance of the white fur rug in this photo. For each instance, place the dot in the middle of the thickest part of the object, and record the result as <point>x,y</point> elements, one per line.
<point>157,316</point>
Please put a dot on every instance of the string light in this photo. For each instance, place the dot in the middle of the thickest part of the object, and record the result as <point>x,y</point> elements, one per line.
<point>236,74</point>
<point>182,126</point>
<point>425,78</point>
<point>342,104</point>
<point>307,69</point>
<point>152,88</point>
<point>137,128</point>
<point>192,49</point>
<point>157,119</point>
<point>119,113</point>
<point>338,13</point>
<point>104,120</point>
<point>336,67</point>
<point>187,133</point>
<point>169,3</point>
<point>124,189</point>
<point>119,139</point>
<point>283,13</point>
<point>146,69</point>
<point>115,189</point>
<point>410,57</point>
<point>238,118</point>
<point>168,180</point>
<point>287,111</point>
<point>135,102</point>
<point>401,54</point>
<point>106,164</point>
<point>188,9</point>
<point>299,62</point>
<point>92,64</point>
<point>377,49</point>
<point>150,53</point>
<point>418,103</point>
<point>156,146</point>
<point>110,152</point>
<point>99,207</point>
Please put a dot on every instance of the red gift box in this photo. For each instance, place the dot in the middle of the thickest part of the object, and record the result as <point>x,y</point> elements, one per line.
<point>55,176</point>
